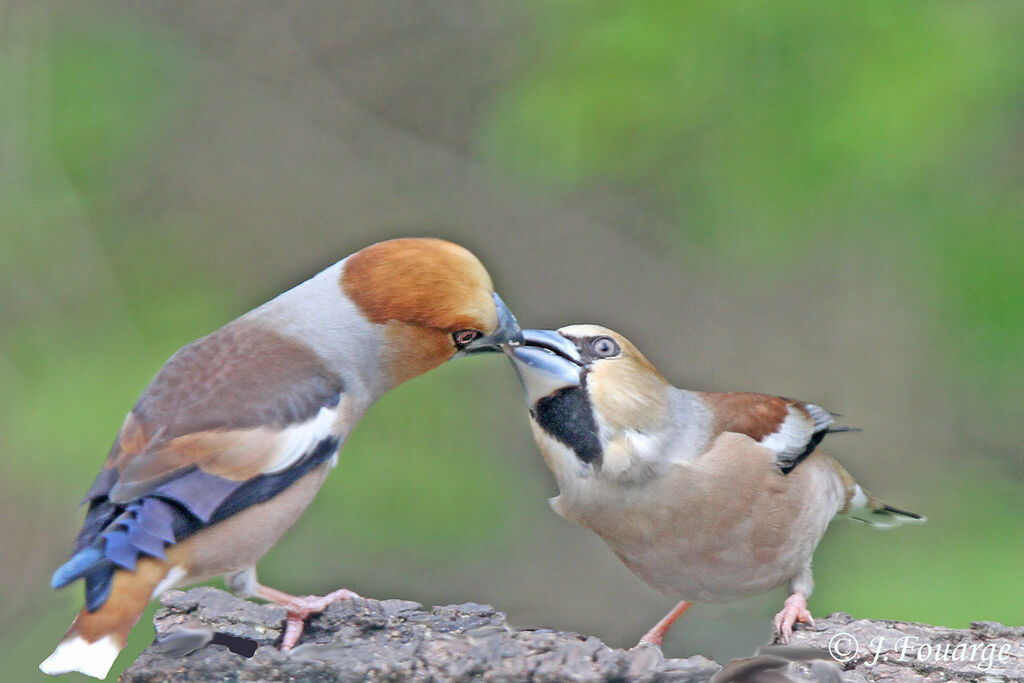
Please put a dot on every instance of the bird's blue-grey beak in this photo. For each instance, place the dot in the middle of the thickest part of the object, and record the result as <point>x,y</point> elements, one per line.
<point>508,332</point>
<point>546,362</point>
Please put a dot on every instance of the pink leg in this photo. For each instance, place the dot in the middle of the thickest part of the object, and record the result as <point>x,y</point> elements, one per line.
<point>657,634</point>
<point>300,609</point>
<point>793,610</point>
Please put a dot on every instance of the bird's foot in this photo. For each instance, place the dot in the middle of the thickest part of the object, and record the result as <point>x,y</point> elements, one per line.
<point>793,610</point>
<point>300,608</point>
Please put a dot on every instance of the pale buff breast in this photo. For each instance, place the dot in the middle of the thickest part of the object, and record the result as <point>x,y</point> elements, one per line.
<point>726,525</point>
<point>240,541</point>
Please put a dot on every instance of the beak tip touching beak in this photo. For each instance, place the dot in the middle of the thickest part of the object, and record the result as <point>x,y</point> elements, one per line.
<point>546,362</point>
<point>507,333</point>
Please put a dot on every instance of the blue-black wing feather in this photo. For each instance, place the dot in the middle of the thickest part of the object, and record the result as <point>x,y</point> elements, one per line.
<point>116,535</point>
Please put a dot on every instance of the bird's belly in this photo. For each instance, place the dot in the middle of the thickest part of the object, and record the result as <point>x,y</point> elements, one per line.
<point>240,541</point>
<point>712,572</point>
<point>711,540</point>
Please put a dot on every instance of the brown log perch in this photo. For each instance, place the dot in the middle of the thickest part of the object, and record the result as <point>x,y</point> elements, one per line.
<point>206,634</point>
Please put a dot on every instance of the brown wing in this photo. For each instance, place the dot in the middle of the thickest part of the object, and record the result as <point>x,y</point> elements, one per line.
<point>230,421</point>
<point>228,404</point>
<point>792,429</point>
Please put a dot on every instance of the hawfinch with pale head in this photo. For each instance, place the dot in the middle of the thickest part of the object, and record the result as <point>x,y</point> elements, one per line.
<point>707,497</point>
<point>231,440</point>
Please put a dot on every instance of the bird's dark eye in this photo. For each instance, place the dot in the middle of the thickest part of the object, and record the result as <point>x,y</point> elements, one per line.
<point>463,337</point>
<point>603,347</point>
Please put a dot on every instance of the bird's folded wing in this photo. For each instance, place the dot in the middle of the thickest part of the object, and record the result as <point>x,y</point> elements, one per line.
<point>242,410</point>
<point>791,429</point>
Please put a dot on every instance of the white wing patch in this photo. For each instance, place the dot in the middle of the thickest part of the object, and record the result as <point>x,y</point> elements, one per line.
<point>791,439</point>
<point>297,440</point>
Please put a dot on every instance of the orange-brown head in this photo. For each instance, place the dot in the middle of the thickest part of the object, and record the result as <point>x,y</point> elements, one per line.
<point>434,299</point>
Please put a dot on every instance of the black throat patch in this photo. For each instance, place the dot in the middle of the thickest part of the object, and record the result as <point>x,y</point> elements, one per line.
<point>567,416</point>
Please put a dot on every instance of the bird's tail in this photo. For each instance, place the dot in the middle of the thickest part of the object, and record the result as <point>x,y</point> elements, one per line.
<point>95,638</point>
<point>864,507</point>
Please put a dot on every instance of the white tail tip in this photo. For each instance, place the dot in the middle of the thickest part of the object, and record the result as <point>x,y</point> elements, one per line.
<point>92,659</point>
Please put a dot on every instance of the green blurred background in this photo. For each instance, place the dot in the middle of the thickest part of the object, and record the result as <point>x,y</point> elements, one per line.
<point>823,200</point>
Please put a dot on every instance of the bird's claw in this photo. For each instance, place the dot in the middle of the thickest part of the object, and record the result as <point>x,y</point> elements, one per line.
<point>793,610</point>
<point>301,608</point>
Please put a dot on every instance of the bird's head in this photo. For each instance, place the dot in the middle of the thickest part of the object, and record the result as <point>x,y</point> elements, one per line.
<point>588,388</point>
<point>434,299</point>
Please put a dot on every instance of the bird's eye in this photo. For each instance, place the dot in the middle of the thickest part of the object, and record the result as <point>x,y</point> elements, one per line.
<point>603,347</point>
<point>463,337</point>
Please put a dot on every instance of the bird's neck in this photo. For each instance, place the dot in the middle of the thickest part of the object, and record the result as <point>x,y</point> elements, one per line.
<point>317,313</point>
<point>674,429</point>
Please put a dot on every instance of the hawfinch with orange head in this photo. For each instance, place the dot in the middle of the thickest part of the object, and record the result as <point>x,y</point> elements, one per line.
<point>231,440</point>
<point>705,496</point>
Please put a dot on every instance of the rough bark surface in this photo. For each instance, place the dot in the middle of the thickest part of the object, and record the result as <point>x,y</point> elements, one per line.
<point>399,640</point>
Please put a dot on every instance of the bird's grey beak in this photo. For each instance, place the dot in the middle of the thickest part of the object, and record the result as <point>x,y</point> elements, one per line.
<point>508,332</point>
<point>546,362</point>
